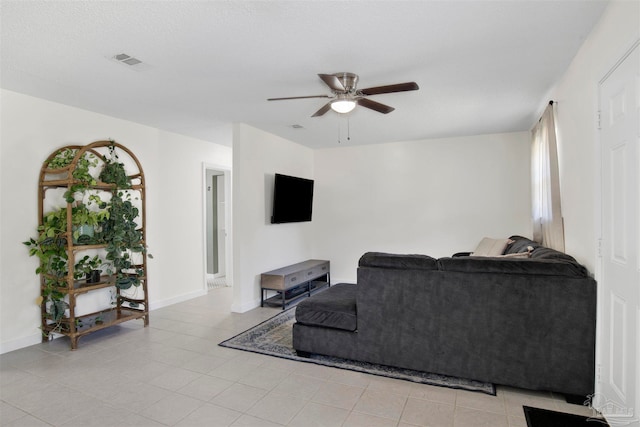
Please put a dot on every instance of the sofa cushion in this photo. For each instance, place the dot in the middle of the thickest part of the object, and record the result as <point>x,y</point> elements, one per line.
<point>397,261</point>
<point>542,252</point>
<point>490,247</point>
<point>537,267</point>
<point>333,308</point>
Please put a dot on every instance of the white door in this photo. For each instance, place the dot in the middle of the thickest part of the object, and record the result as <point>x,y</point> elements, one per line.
<point>222,227</point>
<point>619,313</point>
<point>216,219</point>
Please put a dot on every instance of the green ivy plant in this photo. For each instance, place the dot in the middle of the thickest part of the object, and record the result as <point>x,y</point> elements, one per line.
<point>81,215</point>
<point>81,173</point>
<point>82,176</point>
<point>50,247</point>
<point>62,159</point>
<point>123,239</point>
<point>86,265</point>
<point>113,171</point>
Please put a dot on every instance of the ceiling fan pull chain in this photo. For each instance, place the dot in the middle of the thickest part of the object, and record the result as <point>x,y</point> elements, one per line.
<point>348,129</point>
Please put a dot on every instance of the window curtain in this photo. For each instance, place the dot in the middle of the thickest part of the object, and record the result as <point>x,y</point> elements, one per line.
<point>548,227</point>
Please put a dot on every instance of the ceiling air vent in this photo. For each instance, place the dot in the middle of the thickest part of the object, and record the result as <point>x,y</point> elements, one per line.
<point>135,63</point>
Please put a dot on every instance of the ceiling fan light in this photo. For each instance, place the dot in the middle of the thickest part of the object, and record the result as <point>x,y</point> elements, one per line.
<point>343,106</point>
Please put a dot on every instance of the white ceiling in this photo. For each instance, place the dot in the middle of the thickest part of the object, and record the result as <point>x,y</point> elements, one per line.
<point>482,66</point>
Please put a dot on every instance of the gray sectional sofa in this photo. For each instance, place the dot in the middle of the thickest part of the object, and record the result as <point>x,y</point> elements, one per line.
<point>524,322</point>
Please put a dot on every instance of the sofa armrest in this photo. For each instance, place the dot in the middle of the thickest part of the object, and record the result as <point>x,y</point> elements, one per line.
<point>459,254</point>
<point>397,261</point>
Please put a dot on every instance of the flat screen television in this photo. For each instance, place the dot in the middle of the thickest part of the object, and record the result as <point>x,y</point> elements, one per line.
<point>292,199</point>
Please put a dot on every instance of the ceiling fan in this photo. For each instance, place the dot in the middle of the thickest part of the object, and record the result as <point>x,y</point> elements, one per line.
<point>346,96</point>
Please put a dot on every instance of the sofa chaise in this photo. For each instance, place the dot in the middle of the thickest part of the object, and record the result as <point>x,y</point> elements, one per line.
<point>526,318</point>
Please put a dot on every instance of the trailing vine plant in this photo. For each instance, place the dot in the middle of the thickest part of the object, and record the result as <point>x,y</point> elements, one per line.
<point>113,171</point>
<point>123,239</point>
<point>120,231</point>
<point>81,173</point>
<point>62,159</point>
<point>50,247</point>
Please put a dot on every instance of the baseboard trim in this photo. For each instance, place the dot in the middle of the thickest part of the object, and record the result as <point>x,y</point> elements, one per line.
<point>154,305</point>
<point>22,342</point>
<point>244,307</point>
<point>335,281</point>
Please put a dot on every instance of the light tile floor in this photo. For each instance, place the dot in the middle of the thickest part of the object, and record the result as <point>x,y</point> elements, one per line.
<point>174,373</point>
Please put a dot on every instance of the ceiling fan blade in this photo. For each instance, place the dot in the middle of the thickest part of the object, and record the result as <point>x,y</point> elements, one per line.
<point>323,110</point>
<point>333,82</point>
<point>400,87</point>
<point>373,105</point>
<point>299,97</point>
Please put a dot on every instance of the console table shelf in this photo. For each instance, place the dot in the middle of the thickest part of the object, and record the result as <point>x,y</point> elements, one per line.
<point>294,282</point>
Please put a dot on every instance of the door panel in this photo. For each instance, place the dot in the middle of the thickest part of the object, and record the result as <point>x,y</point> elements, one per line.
<point>618,348</point>
<point>620,273</point>
<point>618,199</point>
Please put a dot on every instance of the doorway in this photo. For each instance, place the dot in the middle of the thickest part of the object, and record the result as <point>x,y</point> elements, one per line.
<point>216,217</point>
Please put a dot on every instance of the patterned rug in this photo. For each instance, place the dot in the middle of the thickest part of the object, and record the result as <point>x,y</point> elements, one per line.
<point>273,337</point>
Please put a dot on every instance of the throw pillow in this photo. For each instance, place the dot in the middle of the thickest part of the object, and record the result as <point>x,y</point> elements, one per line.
<point>490,247</point>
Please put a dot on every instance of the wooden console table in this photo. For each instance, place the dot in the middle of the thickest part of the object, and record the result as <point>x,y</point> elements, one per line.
<point>295,281</point>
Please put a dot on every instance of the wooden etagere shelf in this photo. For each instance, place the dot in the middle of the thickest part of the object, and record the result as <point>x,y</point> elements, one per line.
<point>127,303</point>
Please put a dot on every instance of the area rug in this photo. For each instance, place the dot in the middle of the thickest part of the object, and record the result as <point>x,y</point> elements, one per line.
<point>273,337</point>
<point>537,417</point>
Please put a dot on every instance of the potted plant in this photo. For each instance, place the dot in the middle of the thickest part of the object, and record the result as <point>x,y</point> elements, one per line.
<point>89,268</point>
<point>85,222</point>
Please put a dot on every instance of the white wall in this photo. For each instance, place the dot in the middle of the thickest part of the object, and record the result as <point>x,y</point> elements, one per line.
<point>434,197</point>
<point>579,157</point>
<point>577,97</point>
<point>180,209</point>
<point>31,129</point>
<point>258,245</point>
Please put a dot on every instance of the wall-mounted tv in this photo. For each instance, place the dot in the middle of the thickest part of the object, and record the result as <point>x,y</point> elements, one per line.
<point>292,199</point>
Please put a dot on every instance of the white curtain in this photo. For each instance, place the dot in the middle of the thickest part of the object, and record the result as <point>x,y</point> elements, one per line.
<point>548,227</point>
